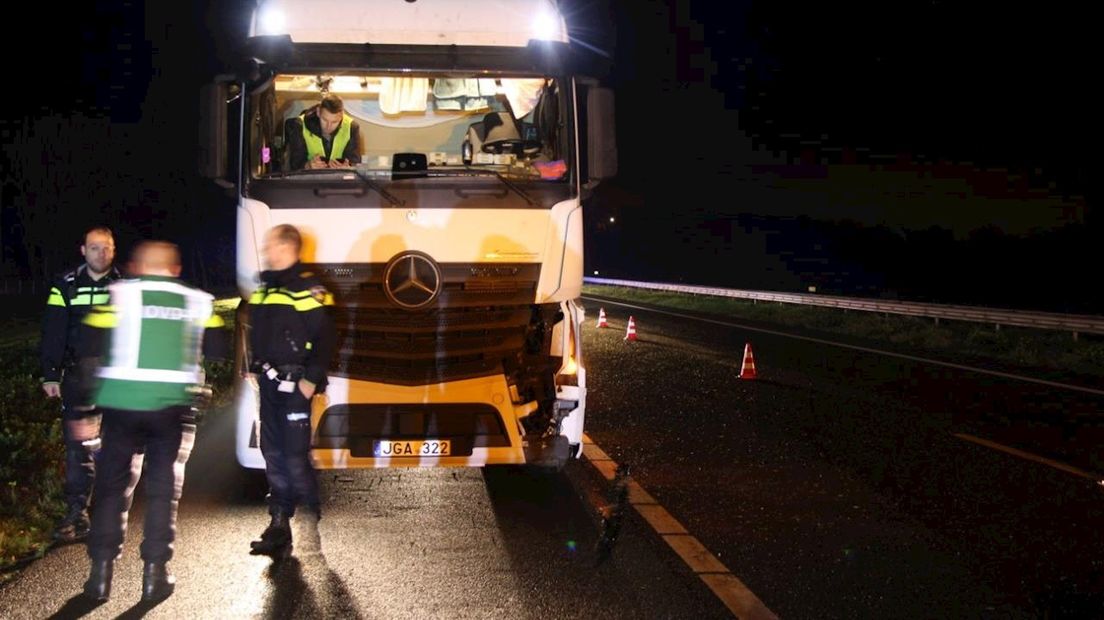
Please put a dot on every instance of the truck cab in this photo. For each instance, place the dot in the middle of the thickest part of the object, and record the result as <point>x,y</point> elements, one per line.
<point>447,220</point>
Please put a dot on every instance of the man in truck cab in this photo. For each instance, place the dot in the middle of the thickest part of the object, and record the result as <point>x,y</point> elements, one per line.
<point>323,136</point>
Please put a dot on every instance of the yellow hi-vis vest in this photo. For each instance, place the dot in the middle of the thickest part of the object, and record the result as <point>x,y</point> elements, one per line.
<point>314,142</point>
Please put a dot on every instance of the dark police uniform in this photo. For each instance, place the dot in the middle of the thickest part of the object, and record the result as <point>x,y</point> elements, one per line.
<point>292,338</point>
<point>67,361</point>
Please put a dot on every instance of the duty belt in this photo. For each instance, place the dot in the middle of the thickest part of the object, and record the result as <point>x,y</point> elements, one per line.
<point>284,375</point>
<point>289,372</point>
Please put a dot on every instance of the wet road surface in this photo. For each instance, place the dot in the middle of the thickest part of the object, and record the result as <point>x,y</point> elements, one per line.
<point>446,543</point>
<point>833,485</point>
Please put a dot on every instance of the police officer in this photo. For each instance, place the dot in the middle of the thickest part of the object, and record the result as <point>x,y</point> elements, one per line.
<point>292,341</point>
<point>156,334</point>
<point>66,365</point>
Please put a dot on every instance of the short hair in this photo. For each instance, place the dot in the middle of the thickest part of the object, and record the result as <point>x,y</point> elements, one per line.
<point>100,228</point>
<point>286,233</point>
<point>332,104</point>
<point>155,255</point>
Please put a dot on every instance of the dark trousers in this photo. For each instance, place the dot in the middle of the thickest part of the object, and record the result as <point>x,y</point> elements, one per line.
<point>166,436</point>
<point>80,464</point>
<point>285,445</point>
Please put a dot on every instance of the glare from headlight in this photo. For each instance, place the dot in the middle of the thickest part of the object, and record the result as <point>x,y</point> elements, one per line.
<point>272,20</point>
<point>545,27</point>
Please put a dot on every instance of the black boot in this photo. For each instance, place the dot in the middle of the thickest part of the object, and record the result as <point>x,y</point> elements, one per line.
<point>74,526</point>
<point>276,539</point>
<point>157,582</point>
<point>98,586</point>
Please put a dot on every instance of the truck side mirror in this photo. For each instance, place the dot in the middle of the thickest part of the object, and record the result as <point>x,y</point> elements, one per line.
<point>215,100</point>
<point>601,136</point>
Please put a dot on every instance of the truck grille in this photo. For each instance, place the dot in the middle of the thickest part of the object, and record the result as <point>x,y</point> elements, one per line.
<point>478,319</point>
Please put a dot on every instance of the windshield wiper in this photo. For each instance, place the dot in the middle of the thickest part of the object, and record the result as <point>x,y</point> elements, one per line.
<point>305,171</point>
<point>370,182</point>
<point>505,181</point>
<point>364,178</point>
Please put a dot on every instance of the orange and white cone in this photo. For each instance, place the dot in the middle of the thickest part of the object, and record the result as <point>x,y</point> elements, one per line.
<point>602,318</point>
<point>748,371</point>
<point>630,333</point>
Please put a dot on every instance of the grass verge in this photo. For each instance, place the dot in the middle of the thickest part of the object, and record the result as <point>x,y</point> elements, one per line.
<point>1053,354</point>
<point>32,455</point>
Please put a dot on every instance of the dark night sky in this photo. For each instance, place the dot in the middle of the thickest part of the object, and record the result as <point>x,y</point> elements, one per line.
<point>1006,87</point>
<point>913,149</point>
<point>735,118</point>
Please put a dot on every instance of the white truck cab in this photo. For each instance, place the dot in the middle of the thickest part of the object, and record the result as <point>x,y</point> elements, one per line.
<point>452,242</point>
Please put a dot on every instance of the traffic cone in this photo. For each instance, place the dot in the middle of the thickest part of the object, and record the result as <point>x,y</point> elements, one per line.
<point>630,333</point>
<point>748,371</point>
<point>602,318</point>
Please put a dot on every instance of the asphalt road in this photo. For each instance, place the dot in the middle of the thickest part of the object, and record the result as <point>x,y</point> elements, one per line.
<point>833,485</point>
<point>447,543</point>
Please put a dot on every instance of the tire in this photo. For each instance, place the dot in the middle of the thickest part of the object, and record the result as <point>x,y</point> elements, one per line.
<point>252,485</point>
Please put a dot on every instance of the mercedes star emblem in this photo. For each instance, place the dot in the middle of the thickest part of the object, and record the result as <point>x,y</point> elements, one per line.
<point>412,280</point>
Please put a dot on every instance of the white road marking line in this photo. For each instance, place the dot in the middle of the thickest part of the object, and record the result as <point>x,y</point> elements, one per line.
<point>1028,456</point>
<point>925,360</point>
<point>607,468</point>
<point>694,554</point>
<point>660,520</point>
<point>736,596</point>
<point>638,496</point>
<point>595,453</point>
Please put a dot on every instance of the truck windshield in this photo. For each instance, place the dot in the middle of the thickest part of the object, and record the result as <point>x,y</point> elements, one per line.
<point>381,127</point>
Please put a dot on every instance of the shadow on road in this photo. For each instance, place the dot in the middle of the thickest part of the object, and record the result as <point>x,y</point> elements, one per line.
<point>302,586</point>
<point>76,607</point>
<point>528,501</point>
<point>80,606</point>
<point>139,610</point>
<point>291,596</point>
<point>550,526</point>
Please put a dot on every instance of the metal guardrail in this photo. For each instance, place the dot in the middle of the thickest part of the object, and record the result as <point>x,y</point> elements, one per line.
<point>1075,323</point>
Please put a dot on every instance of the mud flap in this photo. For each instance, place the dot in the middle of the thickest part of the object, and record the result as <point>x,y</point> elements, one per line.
<point>552,452</point>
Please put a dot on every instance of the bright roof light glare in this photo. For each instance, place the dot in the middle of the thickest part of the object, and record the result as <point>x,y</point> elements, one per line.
<point>272,20</point>
<point>546,26</point>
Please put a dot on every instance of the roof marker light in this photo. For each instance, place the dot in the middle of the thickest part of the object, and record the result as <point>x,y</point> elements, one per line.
<point>272,20</point>
<point>545,26</point>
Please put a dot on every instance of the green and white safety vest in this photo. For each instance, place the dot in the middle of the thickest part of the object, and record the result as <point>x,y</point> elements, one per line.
<point>156,341</point>
<point>340,139</point>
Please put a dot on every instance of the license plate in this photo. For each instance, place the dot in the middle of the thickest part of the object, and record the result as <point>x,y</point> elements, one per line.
<point>429,447</point>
